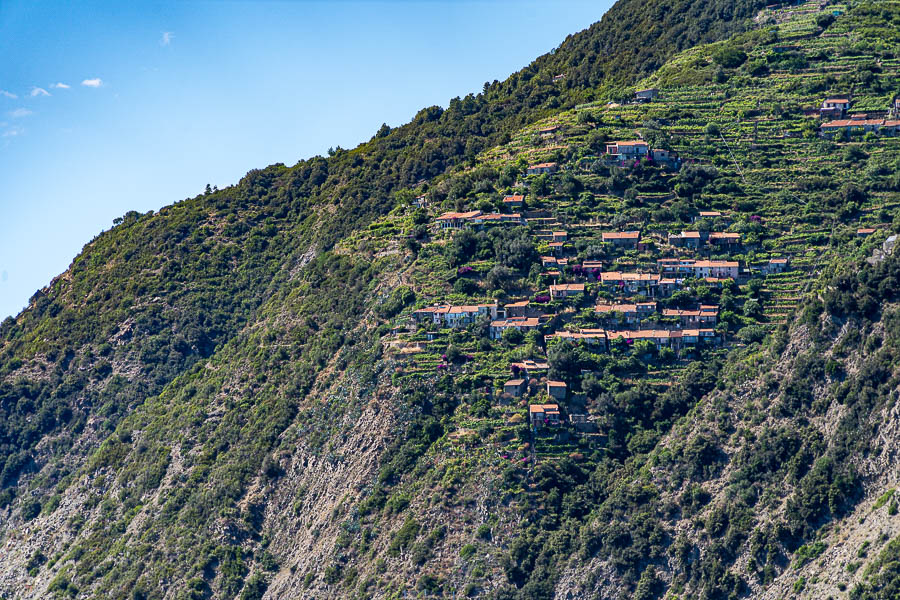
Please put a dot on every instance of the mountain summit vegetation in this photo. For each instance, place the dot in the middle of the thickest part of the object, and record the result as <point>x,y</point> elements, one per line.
<point>625,325</point>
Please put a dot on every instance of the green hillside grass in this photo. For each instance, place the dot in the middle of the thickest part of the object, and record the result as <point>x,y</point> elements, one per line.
<point>166,393</point>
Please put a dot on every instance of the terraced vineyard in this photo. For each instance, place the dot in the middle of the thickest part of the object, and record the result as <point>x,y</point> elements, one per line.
<point>749,151</point>
<point>635,350</point>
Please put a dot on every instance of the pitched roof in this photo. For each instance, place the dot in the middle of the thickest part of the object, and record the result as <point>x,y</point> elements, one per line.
<point>644,334</point>
<point>584,334</point>
<point>623,308</point>
<point>542,409</point>
<point>621,235</point>
<point>517,322</point>
<point>567,287</point>
<point>715,263</point>
<point>853,122</point>
<point>459,215</point>
<point>618,276</point>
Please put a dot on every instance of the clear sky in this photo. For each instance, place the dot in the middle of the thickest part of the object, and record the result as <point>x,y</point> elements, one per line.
<point>107,107</point>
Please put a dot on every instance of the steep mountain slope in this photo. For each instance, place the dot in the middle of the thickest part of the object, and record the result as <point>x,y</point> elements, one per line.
<point>227,399</point>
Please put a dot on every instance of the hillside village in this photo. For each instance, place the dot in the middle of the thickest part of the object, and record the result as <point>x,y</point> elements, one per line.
<point>635,340</point>
<point>617,244</point>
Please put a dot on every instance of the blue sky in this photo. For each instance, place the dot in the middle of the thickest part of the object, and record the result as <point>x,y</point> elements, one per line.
<point>107,107</point>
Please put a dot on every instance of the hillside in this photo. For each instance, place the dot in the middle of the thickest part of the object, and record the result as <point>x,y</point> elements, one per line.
<point>551,342</point>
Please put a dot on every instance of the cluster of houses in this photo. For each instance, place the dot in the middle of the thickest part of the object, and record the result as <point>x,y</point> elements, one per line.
<point>676,339</point>
<point>860,124</point>
<point>691,327</point>
<point>477,219</point>
<point>699,269</point>
<point>456,316</point>
<point>837,108</point>
<point>638,312</point>
<point>695,239</point>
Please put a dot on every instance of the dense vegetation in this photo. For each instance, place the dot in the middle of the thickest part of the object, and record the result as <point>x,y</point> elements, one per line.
<point>230,397</point>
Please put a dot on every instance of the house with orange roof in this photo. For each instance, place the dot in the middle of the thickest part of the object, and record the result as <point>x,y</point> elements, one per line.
<point>835,107</point>
<point>631,150</point>
<point>710,214</point>
<point>703,316</point>
<point>855,124</point>
<point>630,283</point>
<point>777,265</point>
<point>722,269</point>
<point>724,239</point>
<point>530,367</point>
<point>622,239</point>
<point>515,387</point>
<point>456,316</point>
<point>587,336</point>
<point>685,239</point>
<point>542,168</point>
<point>557,389</point>
<point>542,415</point>
<point>566,290</point>
<point>523,324</point>
<point>631,313</point>
<point>514,201</point>
<point>457,220</point>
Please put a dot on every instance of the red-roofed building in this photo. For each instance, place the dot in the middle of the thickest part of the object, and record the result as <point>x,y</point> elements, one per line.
<point>834,107</point>
<point>566,290</point>
<point>624,151</point>
<point>631,313</point>
<point>724,239</point>
<point>514,202</point>
<point>523,324</point>
<point>457,220</point>
<point>588,336</point>
<point>705,315</point>
<point>557,389</point>
<point>456,316</point>
<point>722,269</point>
<point>685,239</point>
<point>515,387</point>
<point>540,169</point>
<point>832,128</point>
<point>623,239</point>
<point>541,415</point>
